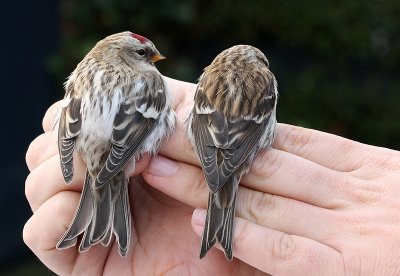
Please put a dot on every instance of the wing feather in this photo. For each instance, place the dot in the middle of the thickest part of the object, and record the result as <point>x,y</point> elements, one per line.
<point>134,122</point>
<point>224,144</point>
<point>206,149</point>
<point>69,129</point>
<point>239,152</point>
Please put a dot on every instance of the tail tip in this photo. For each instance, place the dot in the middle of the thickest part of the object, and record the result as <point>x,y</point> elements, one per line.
<point>228,255</point>
<point>202,254</point>
<point>68,179</point>
<point>123,251</point>
<point>206,246</point>
<point>65,243</point>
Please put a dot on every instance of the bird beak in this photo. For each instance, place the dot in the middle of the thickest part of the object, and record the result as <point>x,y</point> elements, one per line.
<point>157,57</point>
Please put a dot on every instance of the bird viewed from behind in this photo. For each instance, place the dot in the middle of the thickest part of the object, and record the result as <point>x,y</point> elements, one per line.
<point>117,106</point>
<point>233,118</point>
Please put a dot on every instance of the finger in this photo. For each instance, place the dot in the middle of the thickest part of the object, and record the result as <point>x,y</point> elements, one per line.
<point>181,181</point>
<point>285,174</point>
<point>183,93</point>
<point>47,180</point>
<point>41,149</point>
<point>49,117</point>
<point>286,215</point>
<point>179,148</point>
<point>186,184</point>
<point>326,149</point>
<point>277,253</point>
<point>44,229</point>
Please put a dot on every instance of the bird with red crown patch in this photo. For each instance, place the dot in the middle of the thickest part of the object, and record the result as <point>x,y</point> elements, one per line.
<point>117,106</point>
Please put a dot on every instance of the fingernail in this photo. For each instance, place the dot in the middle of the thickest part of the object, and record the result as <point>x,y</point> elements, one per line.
<point>161,166</point>
<point>199,216</point>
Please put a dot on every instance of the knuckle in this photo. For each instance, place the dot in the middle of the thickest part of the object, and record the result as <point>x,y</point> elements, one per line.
<point>63,204</point>
<point>51,115</point>
<point>259,205</point>
<point>28,234</point>
<point>197,184</point>
<point>31,153</point>
<point>242,236</point>
<point>368,194</point>
<point>358,191</point>
<point>40,149</point>
<point>351,265</point>
<point>345,145</point>
<point>387,161</point>
<point>298,138</point>
<point>266,164</point>
<point>283,247</point>
<point>30,189</point>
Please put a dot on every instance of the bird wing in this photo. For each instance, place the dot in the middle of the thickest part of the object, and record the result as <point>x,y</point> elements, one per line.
<point>135,120</point>
<point>223,145</point>
<point>206,149</point>
<point>69,128</point>
<point>244,138</point>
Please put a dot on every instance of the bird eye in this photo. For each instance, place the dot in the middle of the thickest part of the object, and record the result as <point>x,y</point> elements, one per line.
<point>141,52</point>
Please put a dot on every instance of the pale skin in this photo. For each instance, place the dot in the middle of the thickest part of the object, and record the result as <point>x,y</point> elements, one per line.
<point>313,204</point>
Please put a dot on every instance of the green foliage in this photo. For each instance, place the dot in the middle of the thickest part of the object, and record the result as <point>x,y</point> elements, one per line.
<point>337,62</point>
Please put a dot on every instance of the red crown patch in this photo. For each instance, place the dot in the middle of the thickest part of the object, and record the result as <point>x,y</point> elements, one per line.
<point>142,39</point>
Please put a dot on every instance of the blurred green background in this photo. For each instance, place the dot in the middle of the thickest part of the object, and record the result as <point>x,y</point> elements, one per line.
<point>336,62</point>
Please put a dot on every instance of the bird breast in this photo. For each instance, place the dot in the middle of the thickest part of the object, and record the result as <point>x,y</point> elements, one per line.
<point>98,112</point>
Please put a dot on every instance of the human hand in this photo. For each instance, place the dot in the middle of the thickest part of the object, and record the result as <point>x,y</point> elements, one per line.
<point>314,204</point>
<point>333,209</point>
<point>162,239</point>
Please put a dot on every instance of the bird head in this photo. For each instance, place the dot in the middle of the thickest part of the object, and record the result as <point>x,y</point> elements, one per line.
<point>129,48</point>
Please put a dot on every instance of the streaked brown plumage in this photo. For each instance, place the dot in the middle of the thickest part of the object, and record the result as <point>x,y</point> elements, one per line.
<point>117,106</point>
<point>233,118</point>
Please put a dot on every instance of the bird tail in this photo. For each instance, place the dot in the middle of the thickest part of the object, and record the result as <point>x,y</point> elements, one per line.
<point>122,218</point>
<point>218,226</point>
<point>100,212</point>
